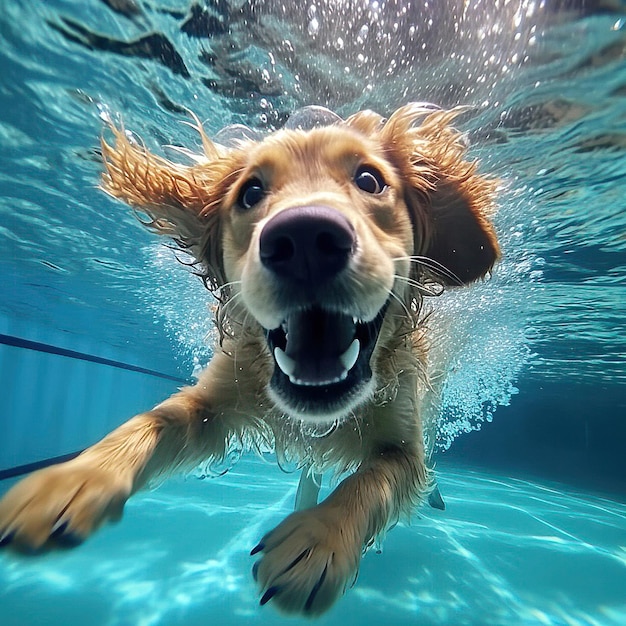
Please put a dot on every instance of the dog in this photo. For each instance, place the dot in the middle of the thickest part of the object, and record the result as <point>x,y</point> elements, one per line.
<point>320,245</point>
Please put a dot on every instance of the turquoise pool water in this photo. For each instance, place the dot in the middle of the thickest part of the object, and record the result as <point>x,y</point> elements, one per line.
<point>506,551</point>
<point>98,321</point>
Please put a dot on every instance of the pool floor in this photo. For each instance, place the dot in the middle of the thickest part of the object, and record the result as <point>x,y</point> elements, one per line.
<point>504,552</point>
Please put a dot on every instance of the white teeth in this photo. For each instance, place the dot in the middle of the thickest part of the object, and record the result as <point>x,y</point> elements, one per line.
<point>349,357</point>
<point>286,363</point>
<point>318,383</point>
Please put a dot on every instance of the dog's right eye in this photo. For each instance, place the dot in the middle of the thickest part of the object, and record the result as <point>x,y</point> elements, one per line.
<point>369,179</point>
<point>251,193</point>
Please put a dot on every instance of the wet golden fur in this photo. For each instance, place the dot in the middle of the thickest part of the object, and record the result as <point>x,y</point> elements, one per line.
<point>431,226</point>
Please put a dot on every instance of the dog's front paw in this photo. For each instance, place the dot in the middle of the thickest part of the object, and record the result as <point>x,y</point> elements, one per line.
<point>308,561</point>
<point>60,506</point>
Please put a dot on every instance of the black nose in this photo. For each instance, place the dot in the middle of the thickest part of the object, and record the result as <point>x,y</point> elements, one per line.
<point>307,244</point>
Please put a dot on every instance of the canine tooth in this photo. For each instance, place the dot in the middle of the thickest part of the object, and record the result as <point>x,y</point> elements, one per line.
<point>349,357</point>
<point>286,363</point>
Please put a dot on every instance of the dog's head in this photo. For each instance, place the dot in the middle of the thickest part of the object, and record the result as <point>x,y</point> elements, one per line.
<point>324,235</point>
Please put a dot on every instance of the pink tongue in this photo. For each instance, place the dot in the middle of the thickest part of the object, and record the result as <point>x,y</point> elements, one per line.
<point>315,341</point>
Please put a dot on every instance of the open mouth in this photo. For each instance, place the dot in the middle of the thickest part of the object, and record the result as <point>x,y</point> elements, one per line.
<point>322,359</point>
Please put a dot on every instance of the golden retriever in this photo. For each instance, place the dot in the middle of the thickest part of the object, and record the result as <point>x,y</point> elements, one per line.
<point>320,245</point>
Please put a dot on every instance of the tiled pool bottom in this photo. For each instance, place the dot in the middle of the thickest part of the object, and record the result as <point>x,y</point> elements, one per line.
<point>505,552</point>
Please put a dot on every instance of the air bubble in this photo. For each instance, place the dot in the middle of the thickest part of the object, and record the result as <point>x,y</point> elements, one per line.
<point>314,27</point>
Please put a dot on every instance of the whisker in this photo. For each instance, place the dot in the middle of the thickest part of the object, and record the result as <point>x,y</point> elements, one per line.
<point>230,302</point>
<point>225,319</point>
<point>357,425</point>
<point>396,297</point>
<point>432,290</point>
<point>232,297</point>
<point>226,287</point>
<point>429,263</point>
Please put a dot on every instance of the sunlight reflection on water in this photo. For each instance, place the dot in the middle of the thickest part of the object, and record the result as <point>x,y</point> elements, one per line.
<point>505,552</point>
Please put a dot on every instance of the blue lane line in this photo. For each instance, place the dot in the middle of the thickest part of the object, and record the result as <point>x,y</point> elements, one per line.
<point>18,342</point>
<point>18,470</point>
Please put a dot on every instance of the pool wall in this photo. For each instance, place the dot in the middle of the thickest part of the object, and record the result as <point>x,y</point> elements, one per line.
<point>62,392</point>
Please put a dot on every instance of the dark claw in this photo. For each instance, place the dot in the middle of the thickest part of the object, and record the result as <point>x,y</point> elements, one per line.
<point>269,594</point>
<point>295,562</point>
<point>63,538</point>
<point>318,585</point>
<point>59,529</point>
<point>6,538</point>
<point>255,571</point>
<point>257,549</point>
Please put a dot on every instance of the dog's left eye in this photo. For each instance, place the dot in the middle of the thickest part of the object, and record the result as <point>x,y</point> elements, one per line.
<point>370,180</point>
<point>251,193</point>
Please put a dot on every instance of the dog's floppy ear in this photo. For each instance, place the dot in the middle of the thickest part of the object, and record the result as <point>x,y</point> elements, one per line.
<point>449,201</point>
<point>180,201</point>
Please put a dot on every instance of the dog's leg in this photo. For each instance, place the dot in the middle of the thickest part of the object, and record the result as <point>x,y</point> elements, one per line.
<point>63,504</point>
<point>311,557</point>
<point>308,489</point>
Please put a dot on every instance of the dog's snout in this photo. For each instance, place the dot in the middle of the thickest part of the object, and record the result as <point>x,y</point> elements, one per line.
<point>307,244</point>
